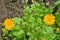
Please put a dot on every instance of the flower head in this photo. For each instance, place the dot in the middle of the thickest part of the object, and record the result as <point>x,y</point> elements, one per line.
<point>49,19</point>
<point>8,23</point>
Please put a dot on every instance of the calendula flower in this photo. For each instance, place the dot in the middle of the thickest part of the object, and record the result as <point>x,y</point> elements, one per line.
<point>49,19</point>
<point>8,23</point>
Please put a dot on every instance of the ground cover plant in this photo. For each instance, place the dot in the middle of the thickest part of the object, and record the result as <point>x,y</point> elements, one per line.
<point>38,23</point>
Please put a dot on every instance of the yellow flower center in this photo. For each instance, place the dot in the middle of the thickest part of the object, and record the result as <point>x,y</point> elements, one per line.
<point>8,23</point>
<point>49,19</point>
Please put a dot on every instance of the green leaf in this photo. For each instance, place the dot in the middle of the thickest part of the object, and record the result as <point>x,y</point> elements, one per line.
<point>5,31</point>
<point>17,20</point>
<point>17,27</point>
<point>19,34</point>
<point>27,11</point>
<point>57,3</point>
<point>14,39</point>
<point>58,18</point>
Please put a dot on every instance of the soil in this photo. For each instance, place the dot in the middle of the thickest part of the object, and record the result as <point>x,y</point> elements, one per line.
<point>9,8</point>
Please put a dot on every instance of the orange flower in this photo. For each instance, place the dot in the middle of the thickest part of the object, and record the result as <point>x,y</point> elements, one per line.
<point>49,19</point>
<point>8,23</point>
